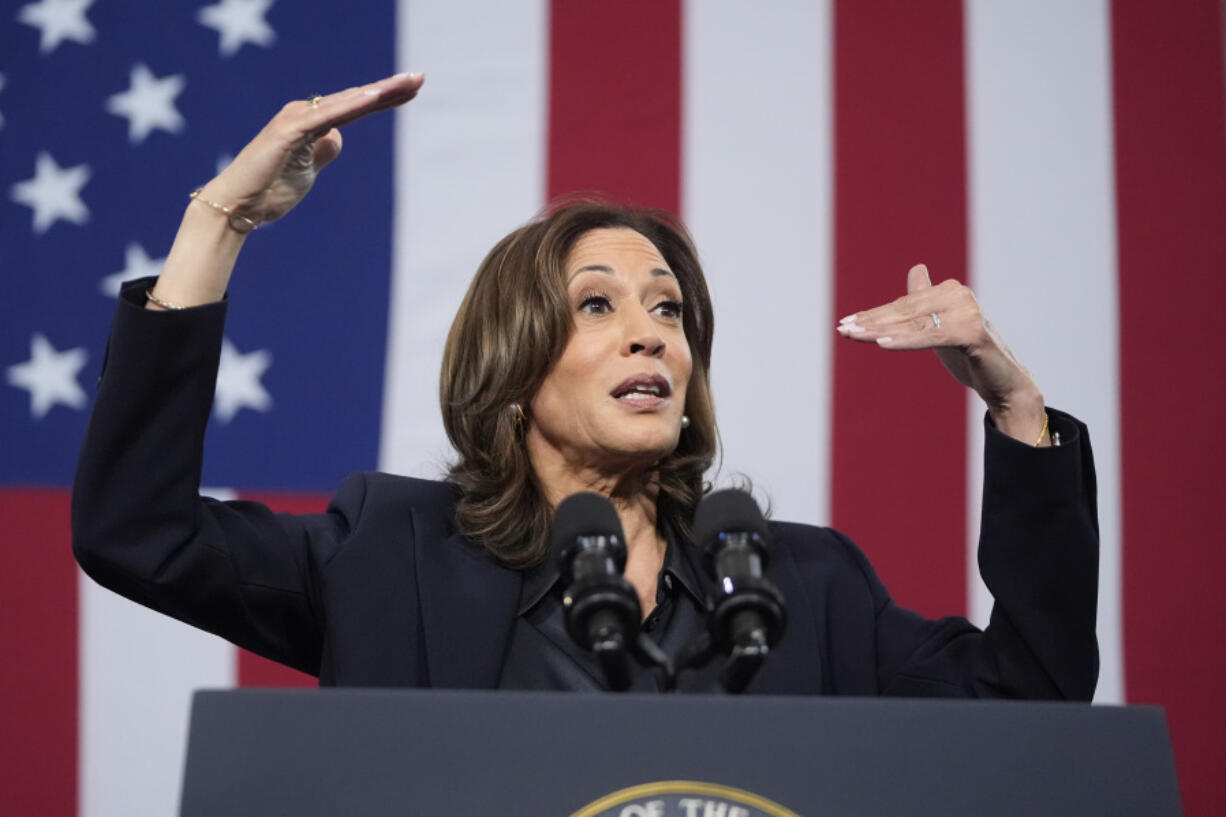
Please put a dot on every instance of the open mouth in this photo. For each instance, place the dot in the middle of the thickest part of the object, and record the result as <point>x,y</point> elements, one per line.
<point>642,390</point>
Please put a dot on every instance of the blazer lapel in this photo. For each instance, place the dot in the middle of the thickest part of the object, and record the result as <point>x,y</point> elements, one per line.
<point>468,604</point>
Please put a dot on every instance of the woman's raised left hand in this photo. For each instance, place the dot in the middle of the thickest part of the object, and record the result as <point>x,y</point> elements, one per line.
<point>947,318</point>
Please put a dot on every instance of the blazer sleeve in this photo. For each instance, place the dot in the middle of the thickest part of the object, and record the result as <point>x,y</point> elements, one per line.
<point>139,526</point>
<point>1038,555</point>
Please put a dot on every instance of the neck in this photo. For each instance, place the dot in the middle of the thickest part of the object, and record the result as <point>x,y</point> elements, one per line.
<point>632,490</point>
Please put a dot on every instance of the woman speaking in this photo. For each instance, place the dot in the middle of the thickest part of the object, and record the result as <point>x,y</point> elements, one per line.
<point>578,361</point>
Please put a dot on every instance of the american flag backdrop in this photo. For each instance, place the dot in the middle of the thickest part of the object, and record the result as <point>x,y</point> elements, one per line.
<point>1067,158</point>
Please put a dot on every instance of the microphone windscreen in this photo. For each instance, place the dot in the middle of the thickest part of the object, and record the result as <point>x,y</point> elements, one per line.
<point>584,514</point>
<point>726,511</point>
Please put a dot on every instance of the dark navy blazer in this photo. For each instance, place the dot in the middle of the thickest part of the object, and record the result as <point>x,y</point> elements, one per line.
<point>382,591</point>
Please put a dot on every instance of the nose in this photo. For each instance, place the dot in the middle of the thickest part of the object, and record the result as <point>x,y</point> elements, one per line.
<point>642,335</point>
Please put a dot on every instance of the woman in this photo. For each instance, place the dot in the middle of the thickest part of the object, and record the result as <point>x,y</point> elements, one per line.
<point>578,361</point>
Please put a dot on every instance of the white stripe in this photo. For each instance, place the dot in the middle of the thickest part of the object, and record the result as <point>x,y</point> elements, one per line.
<point>138,670</point>
<point>757,191</point>
<point>470,166</point>
<point>1043,240</point>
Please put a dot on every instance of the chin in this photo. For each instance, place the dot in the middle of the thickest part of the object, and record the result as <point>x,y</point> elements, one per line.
<point>648,448</point>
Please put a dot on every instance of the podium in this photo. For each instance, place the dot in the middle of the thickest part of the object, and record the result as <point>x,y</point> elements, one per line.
<point>389,752</point>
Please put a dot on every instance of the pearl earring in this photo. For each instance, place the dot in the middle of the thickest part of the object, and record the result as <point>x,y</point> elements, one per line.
<point>685,421</point>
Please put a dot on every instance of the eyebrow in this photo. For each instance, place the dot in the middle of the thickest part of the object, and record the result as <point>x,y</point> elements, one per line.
<point>655,271</point>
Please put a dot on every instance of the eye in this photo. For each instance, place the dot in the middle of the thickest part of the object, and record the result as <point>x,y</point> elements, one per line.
<point>669,309</point>
<point>596,304</point>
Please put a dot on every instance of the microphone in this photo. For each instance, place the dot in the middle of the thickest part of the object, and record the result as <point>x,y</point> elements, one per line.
<point>747,616</point>
<point>602,608</point>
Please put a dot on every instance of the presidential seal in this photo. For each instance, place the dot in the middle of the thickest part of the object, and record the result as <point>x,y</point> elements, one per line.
<point>683,798</point>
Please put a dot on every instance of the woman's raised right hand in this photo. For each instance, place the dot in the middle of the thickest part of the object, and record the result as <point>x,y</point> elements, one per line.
<point>264,182</point>
<point>277,168</point>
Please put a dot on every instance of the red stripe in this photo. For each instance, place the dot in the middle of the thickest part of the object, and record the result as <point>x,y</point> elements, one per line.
<point>615,100</point>
<point>1170,119</point>
<point>254,671</point>
<point>38,646</point>
<point>898,447</point>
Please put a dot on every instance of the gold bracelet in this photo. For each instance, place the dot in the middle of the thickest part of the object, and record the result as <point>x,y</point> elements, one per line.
<point>153,299</point>
<point>1046,420</point>
<point>228,212</point>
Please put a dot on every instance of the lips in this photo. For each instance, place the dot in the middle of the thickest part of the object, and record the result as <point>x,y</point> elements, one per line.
<point>645,387</point>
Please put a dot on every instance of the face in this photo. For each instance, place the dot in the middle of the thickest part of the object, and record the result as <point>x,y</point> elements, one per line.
<point>615,397</point>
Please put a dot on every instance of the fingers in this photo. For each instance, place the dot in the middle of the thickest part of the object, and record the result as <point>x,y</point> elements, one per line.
<point>343,107</point>
<point>947,318</point>
<point>918,301</point>
<point>917,279</point>
<point>928,316</point>
<point>921,331</point>
<point>326,149</point>
<point>277,168</point>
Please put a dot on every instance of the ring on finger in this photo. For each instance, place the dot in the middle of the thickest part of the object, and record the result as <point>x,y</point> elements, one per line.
<point>313,99</point>
<point>936,321</point>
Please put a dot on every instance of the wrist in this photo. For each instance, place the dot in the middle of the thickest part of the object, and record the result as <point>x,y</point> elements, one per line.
<point>1022,415</point>
<point>238,221</point>
<point>207,226</point>
<point>198,267</point>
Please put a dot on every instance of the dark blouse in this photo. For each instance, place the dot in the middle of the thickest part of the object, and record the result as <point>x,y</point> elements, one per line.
<point>541,655</point>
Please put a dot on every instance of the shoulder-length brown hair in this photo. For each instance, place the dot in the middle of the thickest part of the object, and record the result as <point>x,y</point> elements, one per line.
<point>511,328</point>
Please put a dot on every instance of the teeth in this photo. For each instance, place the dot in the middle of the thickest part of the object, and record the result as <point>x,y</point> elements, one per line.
<point>642,391</point>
